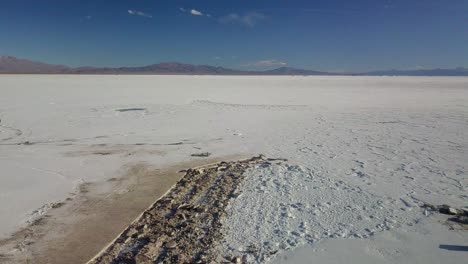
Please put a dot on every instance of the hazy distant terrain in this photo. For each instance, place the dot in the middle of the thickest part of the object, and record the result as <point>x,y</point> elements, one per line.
<point>13,65</point>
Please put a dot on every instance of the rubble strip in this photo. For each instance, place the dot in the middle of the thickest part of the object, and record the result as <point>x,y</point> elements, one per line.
<point>184,225</point>
<point>460,216</point>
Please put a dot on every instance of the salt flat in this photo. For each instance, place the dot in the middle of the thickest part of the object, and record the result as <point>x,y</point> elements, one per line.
<point>362,151</point>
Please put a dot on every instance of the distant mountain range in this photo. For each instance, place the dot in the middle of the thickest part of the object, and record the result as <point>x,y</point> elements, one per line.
<point>13,65</point>
<point>431,72</point>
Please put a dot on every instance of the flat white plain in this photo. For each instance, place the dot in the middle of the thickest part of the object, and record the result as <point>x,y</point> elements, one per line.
<point>383,143</point>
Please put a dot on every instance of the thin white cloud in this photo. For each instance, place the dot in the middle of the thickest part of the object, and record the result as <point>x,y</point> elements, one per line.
<point>196,12</point>
<point>139,13</point>
<point>248,19</point>
<point>269,63</point>
<point>264,64</point>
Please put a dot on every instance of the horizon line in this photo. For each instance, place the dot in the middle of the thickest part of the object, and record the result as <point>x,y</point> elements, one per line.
<point>232,69</point>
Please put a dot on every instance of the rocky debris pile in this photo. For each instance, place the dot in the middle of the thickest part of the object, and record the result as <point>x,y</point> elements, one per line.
<point>460,215</point>
<point>184,225</point>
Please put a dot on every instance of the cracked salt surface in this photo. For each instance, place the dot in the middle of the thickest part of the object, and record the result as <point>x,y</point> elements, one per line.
<point>286,206</point>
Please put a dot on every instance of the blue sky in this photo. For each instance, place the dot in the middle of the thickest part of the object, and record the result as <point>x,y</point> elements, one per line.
<point>333,35</point>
